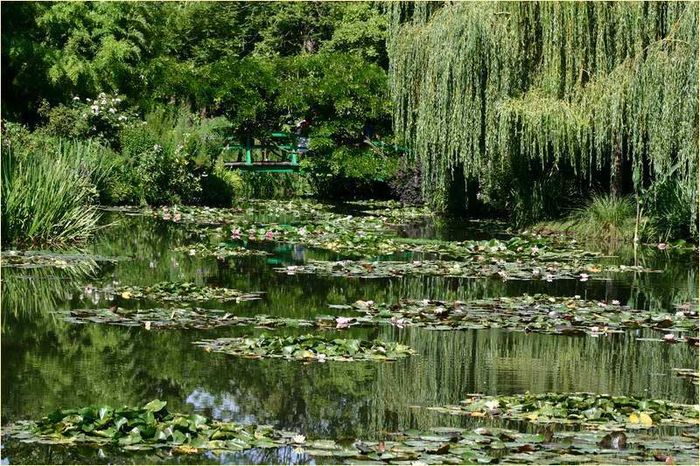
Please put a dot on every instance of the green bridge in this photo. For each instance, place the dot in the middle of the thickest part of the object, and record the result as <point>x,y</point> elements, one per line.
<point>279,154</point>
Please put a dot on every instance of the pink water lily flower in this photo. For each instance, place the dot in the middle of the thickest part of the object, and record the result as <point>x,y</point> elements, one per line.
<point>342,322</point>
<point>236,233</point>
<point>269,235</point>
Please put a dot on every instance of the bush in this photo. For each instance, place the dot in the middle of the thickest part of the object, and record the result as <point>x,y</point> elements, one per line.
<point>670,210</point>
<point>102,118</point>
<point>350,172</point>
<point>221,187</point>
<point>168,159</point>
<point>406,185</point>
<point>48,193</point>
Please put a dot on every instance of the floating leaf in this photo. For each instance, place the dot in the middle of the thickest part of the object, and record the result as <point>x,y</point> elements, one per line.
<point>308,347</point>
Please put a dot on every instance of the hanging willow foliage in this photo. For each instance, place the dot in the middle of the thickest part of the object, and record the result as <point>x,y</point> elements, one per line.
<point>606,91</point>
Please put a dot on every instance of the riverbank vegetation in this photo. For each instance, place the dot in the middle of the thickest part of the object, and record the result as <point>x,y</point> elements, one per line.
<point>597,104</point>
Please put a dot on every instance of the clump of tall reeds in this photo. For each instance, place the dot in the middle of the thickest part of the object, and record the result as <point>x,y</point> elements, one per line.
<point>49,191</point>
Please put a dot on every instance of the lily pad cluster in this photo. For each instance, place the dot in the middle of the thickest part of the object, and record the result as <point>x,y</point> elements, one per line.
<point>689,374</point>
<point>590,410</point>
<point>485,267</point>
<point>296,208</point>
<point>144,428</point>
<point>154,427</point>
<point>220,251</point>
<point>35,259</point>
<point>308,348</point>
<point>194,317</point>
<point>373,233</point>
<point>537,313</point>
<point>392,211</point>
<point>493,445</point>
<point>181,292</point>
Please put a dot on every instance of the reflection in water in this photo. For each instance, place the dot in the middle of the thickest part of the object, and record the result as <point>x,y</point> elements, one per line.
<point>47,363</point>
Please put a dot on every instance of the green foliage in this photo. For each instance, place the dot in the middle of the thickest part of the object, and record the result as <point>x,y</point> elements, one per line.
<point>669,205</point>
<point>594,411</point>
<point>351,172</point>
<point>607,219</point>
<point>166,157</point>
<point>274,185</point>
<point>592,93</point>
<point>308,348</point>
<point>262,66</point>
<point>48,192</point>
<point>101,118</point>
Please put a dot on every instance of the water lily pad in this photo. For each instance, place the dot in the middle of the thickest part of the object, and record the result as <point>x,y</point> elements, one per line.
<point>308,348</point>
<point>180,291</point>
<point>592,411</point>
<point>538,313</point>
<point>476,267</point>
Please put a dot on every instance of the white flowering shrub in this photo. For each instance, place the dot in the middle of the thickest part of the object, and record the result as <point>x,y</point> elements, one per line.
<point>102,117</point>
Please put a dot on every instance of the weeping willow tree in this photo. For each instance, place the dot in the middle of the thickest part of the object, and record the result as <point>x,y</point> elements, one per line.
<point>525,102</point>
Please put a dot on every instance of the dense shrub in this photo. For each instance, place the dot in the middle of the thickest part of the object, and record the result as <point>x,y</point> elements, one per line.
<point>406,185</point>
<point>351,172</point>
<point>101,118</point>
<point>167,158</point>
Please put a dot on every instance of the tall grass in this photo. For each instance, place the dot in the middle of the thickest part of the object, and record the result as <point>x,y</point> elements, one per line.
<point>608,219</point>
<point>48,192</point>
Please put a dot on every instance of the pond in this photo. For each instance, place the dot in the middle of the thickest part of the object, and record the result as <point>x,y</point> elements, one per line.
<point>50,363</point>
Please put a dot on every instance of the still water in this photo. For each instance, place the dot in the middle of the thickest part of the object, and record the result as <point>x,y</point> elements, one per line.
<point>48,363</point>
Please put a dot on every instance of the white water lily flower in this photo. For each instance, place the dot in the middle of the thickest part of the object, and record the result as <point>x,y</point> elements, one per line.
<point>76,98</point>
<point>669,337</point>
<point>298,439</point>
<point>492,404</point>
<point>616,302</point>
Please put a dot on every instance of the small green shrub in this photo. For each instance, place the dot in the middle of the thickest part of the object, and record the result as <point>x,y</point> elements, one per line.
<point>349,172</point>
<point>605,220</point>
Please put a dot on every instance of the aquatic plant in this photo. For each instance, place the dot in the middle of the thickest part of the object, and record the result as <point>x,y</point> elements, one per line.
<point>521,102</point>
<point>308,348</point>
<point>588,410</point>
<point>180,292</point>
<point>479,267</point>
<point>48,193</point>
<point>221,251</point>
<point>154,427</point>
<point>196,317</point>
<point>59,259</point>
<point>536,313</point>
<point>144,428</point>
